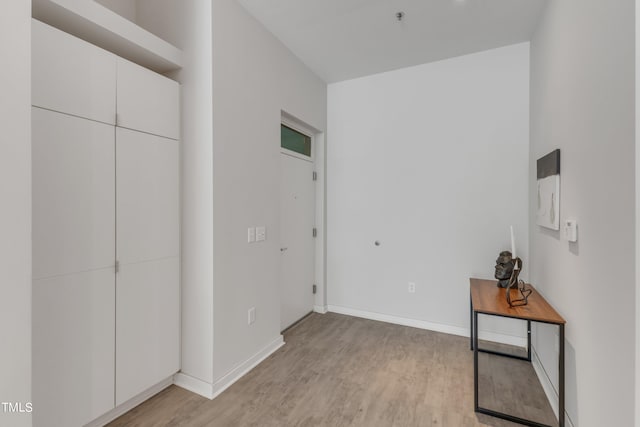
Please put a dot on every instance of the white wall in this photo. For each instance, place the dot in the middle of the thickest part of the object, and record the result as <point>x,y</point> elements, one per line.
<point>15,214</point>
<point>125,8</point>
<point>184,24</point>
<point>432,162</point>
<point>237,80</point>
<point>582,102</point>
<point>187,24</point>
<point>254,78</point>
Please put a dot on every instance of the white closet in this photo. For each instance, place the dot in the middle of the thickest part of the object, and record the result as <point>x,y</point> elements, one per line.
<point>105,229</point>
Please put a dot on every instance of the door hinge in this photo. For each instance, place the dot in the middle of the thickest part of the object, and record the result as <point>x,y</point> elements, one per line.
<point>315,289</point>
<point>117,266</point>
<point>117,119</point>
<point>315,232</point>
<point>315,175</point>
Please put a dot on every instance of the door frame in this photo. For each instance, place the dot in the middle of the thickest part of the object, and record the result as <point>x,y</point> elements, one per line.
<point>318,156</point>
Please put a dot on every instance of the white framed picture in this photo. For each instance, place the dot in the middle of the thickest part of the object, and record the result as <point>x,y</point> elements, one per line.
<point>548,197</point>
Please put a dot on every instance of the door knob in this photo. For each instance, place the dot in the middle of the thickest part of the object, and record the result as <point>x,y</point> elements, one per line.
<point>283,249</point>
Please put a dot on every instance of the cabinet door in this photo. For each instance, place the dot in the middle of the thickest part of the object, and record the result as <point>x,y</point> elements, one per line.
<point>147,325</point>
<point>73,194</point>
<point>147,317</point>
<point>72,76</point>
<point>147,101</point>
<point>147,196</point>
<point>73,348</point>
<point>73,253</point>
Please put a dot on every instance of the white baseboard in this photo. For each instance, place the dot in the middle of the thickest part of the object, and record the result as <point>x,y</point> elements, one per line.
<point>239,371</point>
<point>130,404</point>
<point>431,326</point>
<point>322,309</point>
<point>211,391</point>
<point>404,321</point>
<point>194,385</point>
<point>547,386</point>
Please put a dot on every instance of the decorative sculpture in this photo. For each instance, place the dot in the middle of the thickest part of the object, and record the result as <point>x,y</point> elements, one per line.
<point>507,272</point>
<point>504,269</point>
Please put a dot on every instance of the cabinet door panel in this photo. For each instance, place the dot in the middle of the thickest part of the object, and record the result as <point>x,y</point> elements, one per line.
<point>72,76</point>
<point>73,194</point>
<point>73,348</point>
<point>147,101</point>
<point>147,196</point>
<point>147,325</point>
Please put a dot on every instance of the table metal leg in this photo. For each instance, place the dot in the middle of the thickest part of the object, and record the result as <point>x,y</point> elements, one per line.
<point>475,360</point>
<point>561,377</point>
<point>471,320</point>
<point>529,340</point>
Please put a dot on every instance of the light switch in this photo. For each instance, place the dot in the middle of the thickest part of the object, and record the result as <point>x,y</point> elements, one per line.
<point>251,234</point>
<point>251,315</point>
<point>261,234</point>
<point>571,230</point>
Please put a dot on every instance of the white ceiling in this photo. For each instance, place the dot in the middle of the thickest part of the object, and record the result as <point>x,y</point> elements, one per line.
<point>344,39</point>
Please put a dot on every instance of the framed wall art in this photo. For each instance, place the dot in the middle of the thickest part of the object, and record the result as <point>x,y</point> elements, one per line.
<point>548,213</point>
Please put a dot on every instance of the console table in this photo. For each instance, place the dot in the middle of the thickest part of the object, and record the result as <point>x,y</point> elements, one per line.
<point>487,298</point>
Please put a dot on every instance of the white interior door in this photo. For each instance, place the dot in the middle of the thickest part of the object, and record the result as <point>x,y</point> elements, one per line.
<point>297,248</point>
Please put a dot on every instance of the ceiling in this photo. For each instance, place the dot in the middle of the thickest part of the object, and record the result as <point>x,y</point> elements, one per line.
<point>345,39</point>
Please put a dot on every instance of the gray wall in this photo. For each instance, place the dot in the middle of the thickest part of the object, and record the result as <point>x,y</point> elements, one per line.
<point>432,161</point>
<point>582,101</point>
<point>187,25</point>
<point>254,78</point>
<point>125,8</point>
<point>15,211</point>
<point>237,80</point>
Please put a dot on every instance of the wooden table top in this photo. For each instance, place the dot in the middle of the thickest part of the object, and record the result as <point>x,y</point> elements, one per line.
<point>488,298</point>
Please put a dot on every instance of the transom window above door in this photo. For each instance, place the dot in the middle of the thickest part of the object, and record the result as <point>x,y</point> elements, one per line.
<point>293,140</point>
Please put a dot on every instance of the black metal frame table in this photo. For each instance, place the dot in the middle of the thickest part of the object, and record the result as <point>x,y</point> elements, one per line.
<point>486,298</point>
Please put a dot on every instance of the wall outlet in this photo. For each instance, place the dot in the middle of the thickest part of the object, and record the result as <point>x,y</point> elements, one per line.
<point>251,316</point>
<point>251,234</point>
<point>412,288</point>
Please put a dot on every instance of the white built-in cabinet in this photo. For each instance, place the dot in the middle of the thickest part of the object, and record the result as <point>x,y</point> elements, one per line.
<point>147,299</point>
<point>105,229</point>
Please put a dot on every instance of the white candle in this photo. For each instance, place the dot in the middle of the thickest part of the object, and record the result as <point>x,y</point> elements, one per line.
<point>513,244</point>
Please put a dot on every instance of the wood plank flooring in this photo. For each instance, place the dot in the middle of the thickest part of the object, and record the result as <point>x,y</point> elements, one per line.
<point>338,370</point>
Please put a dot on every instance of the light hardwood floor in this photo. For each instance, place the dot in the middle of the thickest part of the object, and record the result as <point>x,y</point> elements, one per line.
<point>338,370</point>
